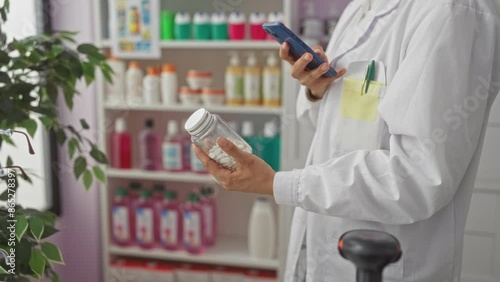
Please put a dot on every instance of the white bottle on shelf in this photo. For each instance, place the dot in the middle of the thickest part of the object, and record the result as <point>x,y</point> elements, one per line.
<point>262,230</point>
<point>252,82</point>
<point>271,78</point>
<point>134,83</point>
<point>169,85</point>
<point>115,92</point>
<point>234,81</point>
<point>151,87</point>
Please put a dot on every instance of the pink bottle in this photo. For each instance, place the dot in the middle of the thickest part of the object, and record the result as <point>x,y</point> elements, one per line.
<point>186,147</point>
<point>146,218</point>
<point>150,147</point>
<point>193,225</point>
<point>237,26</point>
<point>121,218</point>
<point>173,149</point>
<point>120,146</point>
<point>209,210</point>
<point>256,30</point>
<point>134,195</point>
<point>158,191</point>
<point>170,222</point>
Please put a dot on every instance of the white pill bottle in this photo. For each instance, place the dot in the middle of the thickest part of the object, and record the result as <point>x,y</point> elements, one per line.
<point>205,128</point>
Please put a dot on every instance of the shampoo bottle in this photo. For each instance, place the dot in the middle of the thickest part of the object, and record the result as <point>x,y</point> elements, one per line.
<point>271,76</point>
<point>121,146</point>
<point>234,81</point>
<point>150,147</point>
<point>270,144</point>
<point>169,85</point>
<point>193,225</point>
<point>237,26</point>
<point>151,86</point>
<point>262,230</point>
<point>134,83</point>
<point>121,216</point>
<point>173,159</point>
<point>146,221</point>
<point>170,222</point>
<point>209,210</point>
<point>115,91</point>
<point>252,82</point>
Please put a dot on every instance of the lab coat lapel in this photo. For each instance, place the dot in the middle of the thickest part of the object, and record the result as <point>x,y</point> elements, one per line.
<point>365,27</point>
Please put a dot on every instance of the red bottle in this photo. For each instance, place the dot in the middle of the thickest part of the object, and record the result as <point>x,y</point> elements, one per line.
<point>121,146</point>
<point>150,147</point>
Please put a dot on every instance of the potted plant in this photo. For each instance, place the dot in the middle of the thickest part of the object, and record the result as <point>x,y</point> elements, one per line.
<point>36,72</point>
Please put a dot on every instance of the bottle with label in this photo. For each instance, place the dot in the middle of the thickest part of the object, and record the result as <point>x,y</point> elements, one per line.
<point>271,77</point>
<point>173,159</point>
<point>262,230</point>
<point>121,146</point>
<point>248,134</point>
<point>256,21</point>
<point>167,20</point>
<point>182,28</point>
<point>135,77</point>
<point>115,91</point>
<point>252,82</point>
<point>196,165</point>
<point>202,28</point>
<point>169,85</point>
<point>193,225</point>
<point>234,81</point>
<point>121,216</point>
<point>151,87</point>
<point>219,26</point>
<point>209,210</point>
<point>237,26</point>
<point>270,144</point>
<point>170,222</point>
<point>146,221</point>
<point>150,147</point>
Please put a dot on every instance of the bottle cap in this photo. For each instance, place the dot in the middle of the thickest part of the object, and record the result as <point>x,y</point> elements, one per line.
<point>237,18</point>
<point>198,121</point>
<point>135,186</point>
<point>261,200</point>
<point>158,187</point>
<point>272,61</point>
<point>121,192</point>
<point>168,68</point>
<point>270,129</point>
<point>257,18</point>
<point>146,194</point>
<point>252,60</point>
<point>235,59</point>
<point>170,195</point>
<point>219,18</point>
<point>120,125</point>
<point>275,17</point>
<point>149,123</point>
<point>133,65</point>
<point>247,129</point>
<point>193,198</point>
<point>201,18</point>
<point>182,18</point>
<point>172,128</point>
<point>207,191</point>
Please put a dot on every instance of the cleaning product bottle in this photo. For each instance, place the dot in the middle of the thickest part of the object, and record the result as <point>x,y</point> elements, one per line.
<point>234,81</point>
<point>121,216</point>
<point>121,146</point>
<point>150,147</point>
<point>182,28</point>
<point>169,85</point>
<point>173,159</point>
<point>193,225</point>
<point>167,20</point>
<point>134,83</point>
<point>256,31</point>
<point>271,145</point>
<point>312,26</point>
<point>146,221</point>
<point>209,210</point>
<point>248,134</point>
<point>271,76</point>
<point>237,26</point>
<point>170,222</point>
<point>219,26</point>
<point>202,26</point>
<point>262,230</point>
<point>252,82</point>
<point>158,190</point>
<point>134,195</point>
<point>151,86</point>
<point>115,91</point>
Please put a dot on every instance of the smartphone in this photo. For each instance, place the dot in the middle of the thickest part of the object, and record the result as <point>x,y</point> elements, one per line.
<point>281,33</point>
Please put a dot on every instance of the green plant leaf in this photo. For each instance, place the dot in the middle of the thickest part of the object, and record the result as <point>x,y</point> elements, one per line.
<point>79,166</point>
<point>3,271</point>
<point>88,72</point>
<point>9,161</point>
<point>49,231</point>
<point>55,277</point>
<point>52,253</point>
<point>21,226</point>
<point>46,121</point>
<point>37,262</point>
<point>87,179</point>
<point>8,140</point>
<point>4,57</point>
<point>87,49</point>
<point>22,279</point>
<point>4,196</point>
<point>72,146</point>
<point>99,174</point>
<point>84,124</point>
<point>57,49</point>
<point>36,227</point>
<point>98,155</point>
<point>68,97</point>
<point>5,79</point>
<point>60,136</point>
<point>52,91</point>
<point>31,126</point>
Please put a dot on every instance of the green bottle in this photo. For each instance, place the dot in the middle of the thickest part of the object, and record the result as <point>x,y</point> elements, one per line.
<point>202,26</point>
<point>167,25</point>
<point>269,145</point>
<point>182,29</point>
<point>248,134</point>
<point>219,26</point>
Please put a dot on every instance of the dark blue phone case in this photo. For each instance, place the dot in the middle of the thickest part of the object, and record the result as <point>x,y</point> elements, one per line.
<point>281,33</point>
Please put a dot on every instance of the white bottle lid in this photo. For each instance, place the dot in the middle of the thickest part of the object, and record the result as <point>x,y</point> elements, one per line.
<point>252,60</point>
<point>182,18</point>
<point>120,125</point>
<point>219,18</point>
<point>237,18</point>
<point>172,128</point>
<point>257,18</point>
<point>234,61</point>
<point>201,18</point>
<point>247,129</point>
<point>198,121</point>
<point>275,17</point>
<point>270,129</point>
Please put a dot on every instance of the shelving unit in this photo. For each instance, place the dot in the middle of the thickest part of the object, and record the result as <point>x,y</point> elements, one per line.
<point>212,44</point>
<point>189,109</point>
<point>187,177</point>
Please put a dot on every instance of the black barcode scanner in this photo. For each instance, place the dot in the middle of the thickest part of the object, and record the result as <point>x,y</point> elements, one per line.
<point>371,251</point>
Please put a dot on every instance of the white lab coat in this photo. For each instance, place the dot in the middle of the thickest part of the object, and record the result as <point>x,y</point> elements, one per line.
<point>414,177</point>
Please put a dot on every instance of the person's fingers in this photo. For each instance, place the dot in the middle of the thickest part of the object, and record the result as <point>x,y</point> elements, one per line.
<point>285,53</point>
<point>210,164</point>
<point>232,150</point>
<point>319,50</point>
<point>299,68</point>
<point>341,73</point>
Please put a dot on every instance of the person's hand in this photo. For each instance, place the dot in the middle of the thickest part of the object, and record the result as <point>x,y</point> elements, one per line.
<point>251,175</point>
<point>312,79</point>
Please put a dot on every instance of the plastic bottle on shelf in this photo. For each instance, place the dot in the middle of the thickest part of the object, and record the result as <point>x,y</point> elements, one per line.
<point>271,77</point>
<point>158,190</point>
<point>121,146</point>
<point>134,83</point>
<point>219,26</point>
<point>234,81</point>
<point>271,145</point>
<point>256,31</point>
<point>150,147</point>
<point>167,25</point>
<point>146,221</point>
<point>169,85</point>
<point>209,210</point>
<point>170,222</point>
<point>122,231</point>
<point>202,26</point>
<point>151,87</point>
<point>173,158</point>
<point>262,230</point>
<point>193,225</point>
<point>312,26</point>
<point>237,26</point>
<point>115,91</point>
<point>186,147</point>
<point>182,27</point>
<point>252,88</point>
<point>196,165</point>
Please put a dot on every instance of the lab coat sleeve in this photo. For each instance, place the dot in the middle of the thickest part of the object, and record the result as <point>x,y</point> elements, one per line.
<point>435,108</point>
<point>307,111</point>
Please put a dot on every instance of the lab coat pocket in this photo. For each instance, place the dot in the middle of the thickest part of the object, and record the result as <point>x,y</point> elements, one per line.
<point>358,105</point>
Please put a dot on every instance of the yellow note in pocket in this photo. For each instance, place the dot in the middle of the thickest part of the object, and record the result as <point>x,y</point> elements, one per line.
<point>356,106</point>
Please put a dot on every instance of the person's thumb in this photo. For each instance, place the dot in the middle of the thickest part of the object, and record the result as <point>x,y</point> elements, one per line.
<point>231,149</point>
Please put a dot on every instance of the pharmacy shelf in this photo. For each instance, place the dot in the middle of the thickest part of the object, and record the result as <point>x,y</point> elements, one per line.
<point>186,177</point>
<point>212,44</point>
<point>229,251</point>
<point>190,109</point>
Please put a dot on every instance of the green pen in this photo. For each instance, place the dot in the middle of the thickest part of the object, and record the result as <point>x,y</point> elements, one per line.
<point>370,75</point>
